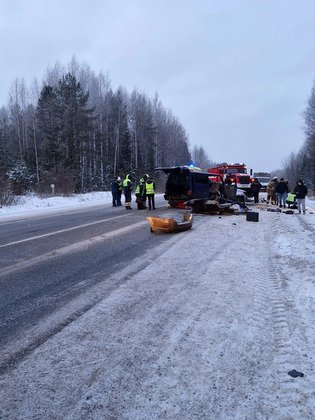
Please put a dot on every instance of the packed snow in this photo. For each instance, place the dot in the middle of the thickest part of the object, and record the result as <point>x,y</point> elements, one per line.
<point>209,328</point>
<point>32,205</point>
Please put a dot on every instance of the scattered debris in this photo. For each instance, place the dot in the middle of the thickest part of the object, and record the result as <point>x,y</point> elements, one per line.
<point>170,225</point>
<point>215,206</point>
<point>294,373</point>
<point>252,216</point>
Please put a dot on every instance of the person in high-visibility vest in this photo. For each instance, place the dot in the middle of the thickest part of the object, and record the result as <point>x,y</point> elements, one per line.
<point>127,186</point>
<point>139,192</point>
<point>291,201</point>
<point>150,191</point>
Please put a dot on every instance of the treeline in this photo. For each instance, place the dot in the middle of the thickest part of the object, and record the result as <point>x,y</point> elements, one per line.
<point>74,131</point>
<point>301,165</point>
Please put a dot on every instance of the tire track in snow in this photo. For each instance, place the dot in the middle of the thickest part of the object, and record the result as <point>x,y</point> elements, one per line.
<point>162,329</point>
<point>305,224</point>
<point>292,394</point>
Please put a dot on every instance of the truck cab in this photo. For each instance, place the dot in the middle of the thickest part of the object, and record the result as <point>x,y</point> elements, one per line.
<point>233,173</point>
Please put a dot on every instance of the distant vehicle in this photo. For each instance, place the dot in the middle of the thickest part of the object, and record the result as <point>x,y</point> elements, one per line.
<point>233,173</point>
<point>188,182</point>
<point>264,178</point>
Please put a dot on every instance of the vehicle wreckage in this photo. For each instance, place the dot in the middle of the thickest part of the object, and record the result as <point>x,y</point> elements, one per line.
<point>170,225</point>
<point>201,192</point>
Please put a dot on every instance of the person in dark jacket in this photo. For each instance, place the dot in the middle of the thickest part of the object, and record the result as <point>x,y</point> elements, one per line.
<point>127,186</point>
<point>255,187</point>
<point>119,191</point>
<point>300,192</point>
<point>149,192</point>
<point>282,191</point>
<point>115,191</point>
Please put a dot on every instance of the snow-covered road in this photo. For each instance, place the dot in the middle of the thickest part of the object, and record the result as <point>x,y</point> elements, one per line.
<point>209,329</point>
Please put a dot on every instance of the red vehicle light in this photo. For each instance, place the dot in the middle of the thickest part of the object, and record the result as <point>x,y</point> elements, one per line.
<point>180,205</point>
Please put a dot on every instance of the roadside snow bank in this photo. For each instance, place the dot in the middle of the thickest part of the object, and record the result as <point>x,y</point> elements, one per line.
<point>33,205</point>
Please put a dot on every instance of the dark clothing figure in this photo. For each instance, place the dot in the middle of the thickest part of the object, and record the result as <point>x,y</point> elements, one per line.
<point>282,192</point>
<point>281,187</point>
<point>255,187</point>
<point>115,191</point>
<point>119,192</point>
<point>149,192</point>
<point>300,192</point>
<point>127,186</point>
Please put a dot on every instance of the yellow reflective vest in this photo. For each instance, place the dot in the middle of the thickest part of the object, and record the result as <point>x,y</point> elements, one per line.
<point>149,188</point>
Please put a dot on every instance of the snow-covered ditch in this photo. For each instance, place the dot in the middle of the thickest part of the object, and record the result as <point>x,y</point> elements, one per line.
<point>209,328</point>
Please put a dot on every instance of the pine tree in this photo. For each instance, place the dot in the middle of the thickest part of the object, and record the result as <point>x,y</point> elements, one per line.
<point>52,150</point>
<point>309,160</point>
<point>4,139</point>
<point>75,125</point>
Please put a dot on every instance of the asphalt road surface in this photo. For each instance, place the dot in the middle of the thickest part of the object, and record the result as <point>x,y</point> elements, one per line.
<point>48,262</point>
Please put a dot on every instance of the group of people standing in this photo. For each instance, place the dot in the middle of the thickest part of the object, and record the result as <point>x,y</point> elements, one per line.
<point>278,192</point>
<point>145,190</point>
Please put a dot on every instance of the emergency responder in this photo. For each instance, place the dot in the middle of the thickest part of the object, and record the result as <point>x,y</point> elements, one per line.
<point>139,192</point>
<point>291,201</point>
<point>127,186</point>
<point>150,191</point>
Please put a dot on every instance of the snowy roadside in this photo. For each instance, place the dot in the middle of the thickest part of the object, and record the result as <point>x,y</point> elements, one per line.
<point>209,329</point>
<point>32,205</point>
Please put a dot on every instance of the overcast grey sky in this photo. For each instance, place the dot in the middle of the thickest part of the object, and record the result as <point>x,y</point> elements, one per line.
<point>237,74</point>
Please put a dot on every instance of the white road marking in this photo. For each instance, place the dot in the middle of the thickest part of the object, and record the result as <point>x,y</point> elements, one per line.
<point>60,231</point>
<point>79,246</point>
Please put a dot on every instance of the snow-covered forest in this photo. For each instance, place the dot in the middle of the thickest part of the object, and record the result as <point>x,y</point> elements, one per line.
<point>74,130</point>
<point>301,165</point>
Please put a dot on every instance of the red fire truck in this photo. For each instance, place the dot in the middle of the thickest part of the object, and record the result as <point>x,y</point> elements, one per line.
<point>233,173</point>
